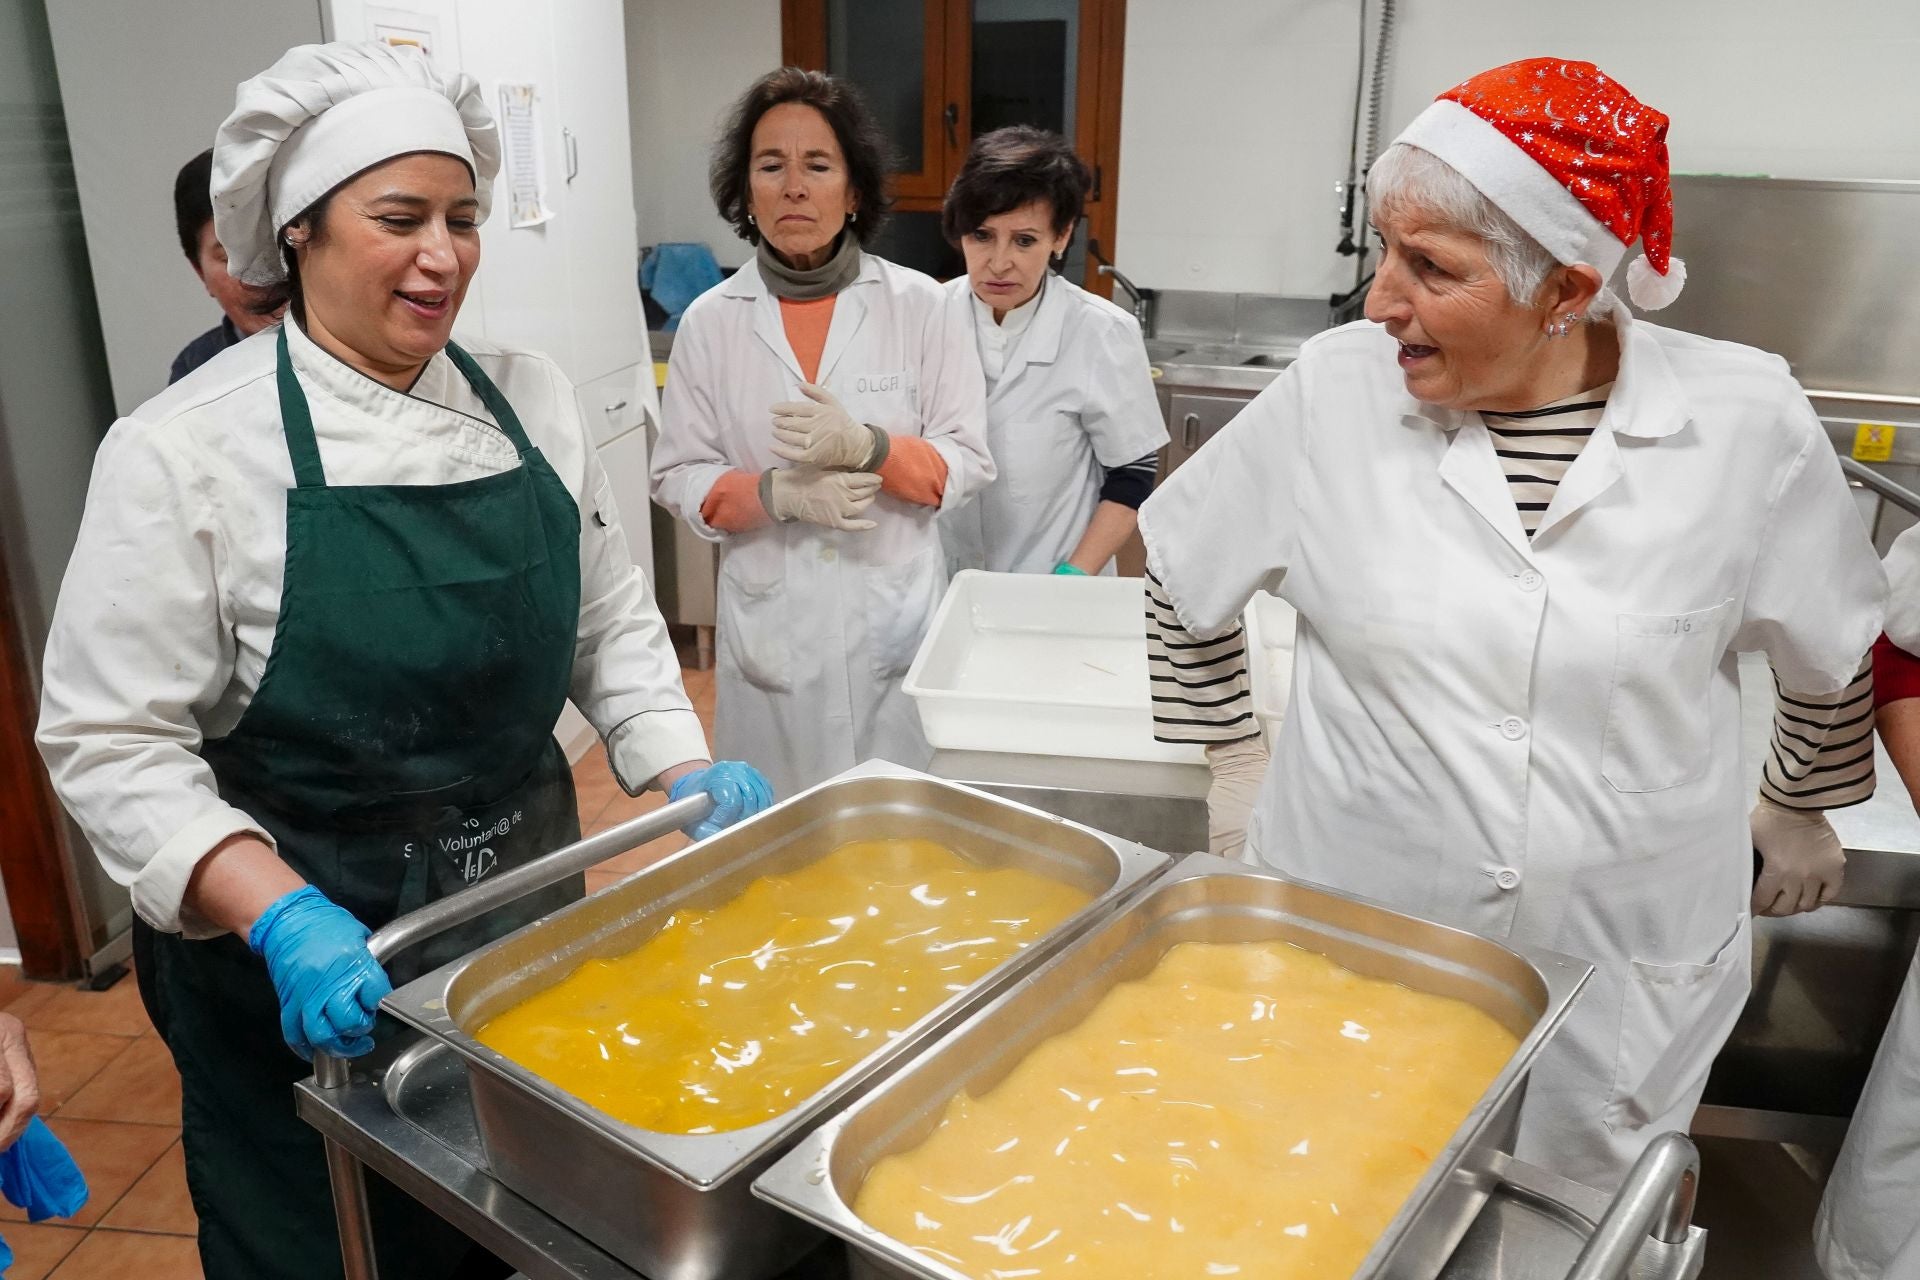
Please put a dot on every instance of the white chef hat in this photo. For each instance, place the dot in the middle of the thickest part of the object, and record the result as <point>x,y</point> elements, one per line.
<point>320,115</point>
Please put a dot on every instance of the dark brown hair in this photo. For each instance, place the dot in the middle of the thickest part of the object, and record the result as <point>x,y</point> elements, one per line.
<point>1012,167</point>
<point>861,142</point>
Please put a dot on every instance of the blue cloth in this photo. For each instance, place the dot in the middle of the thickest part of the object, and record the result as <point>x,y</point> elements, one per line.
<point>37,1174</point>
<point>677,273</point>
<point>738,790</point>
<point>329,984</point>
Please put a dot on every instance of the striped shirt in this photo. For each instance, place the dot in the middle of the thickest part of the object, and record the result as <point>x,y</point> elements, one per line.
<point>1821,752</point>
<point>1535,448</point>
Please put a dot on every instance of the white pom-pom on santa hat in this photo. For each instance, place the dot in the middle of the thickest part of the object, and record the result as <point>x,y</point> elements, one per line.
<point>1650,290</point>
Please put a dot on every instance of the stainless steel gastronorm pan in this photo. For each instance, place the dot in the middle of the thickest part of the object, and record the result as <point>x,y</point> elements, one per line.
<point>1205,899</point>
<point>679,1207</point>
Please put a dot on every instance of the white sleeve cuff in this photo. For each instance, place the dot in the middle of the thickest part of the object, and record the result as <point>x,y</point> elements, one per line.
<point>160,887</point>
<point>643,746</point>
<point>957,492</point>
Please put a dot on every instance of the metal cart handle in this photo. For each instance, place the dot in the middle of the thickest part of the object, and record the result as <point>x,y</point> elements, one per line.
<point>1656,1199</point>
<point>343,1171</point>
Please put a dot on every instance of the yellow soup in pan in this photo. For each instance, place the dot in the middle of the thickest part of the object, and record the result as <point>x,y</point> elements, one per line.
<point>1246,1109</point>
<point>734,1015</point>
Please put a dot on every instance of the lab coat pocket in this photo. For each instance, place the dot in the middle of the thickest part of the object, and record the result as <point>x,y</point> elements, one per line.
<point>1037,460</point>
<point>901,599</point>
<point>1673,1020</point>
<point>1659,718</point>
<point>753,626</point>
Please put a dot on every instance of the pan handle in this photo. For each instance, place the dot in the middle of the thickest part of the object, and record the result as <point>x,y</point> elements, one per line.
<point>1656,1199</point>
<point>343,1170</point>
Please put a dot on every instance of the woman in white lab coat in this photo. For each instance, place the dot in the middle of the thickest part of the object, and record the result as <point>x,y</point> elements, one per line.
<point>1527,536</point>
<point>1072,418</point>
<point>330,594</point>
<point>1869,1223</point>
<point>822,407</point>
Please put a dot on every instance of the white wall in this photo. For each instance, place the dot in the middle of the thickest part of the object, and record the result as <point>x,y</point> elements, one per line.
<point>144,92</point>
<point>1236,113</point>
<point>686,63</point>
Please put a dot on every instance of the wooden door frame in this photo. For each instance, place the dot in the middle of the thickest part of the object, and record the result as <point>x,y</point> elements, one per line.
<point>948,78</point>
<point>803,43</point>
<point>33,844</point>
<point>1096,118</point>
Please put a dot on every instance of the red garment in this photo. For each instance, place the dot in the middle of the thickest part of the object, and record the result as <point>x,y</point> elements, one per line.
<point>914,471</point>
<point>1896,673</point>
<point>733,504</point>
<point>806,325</point>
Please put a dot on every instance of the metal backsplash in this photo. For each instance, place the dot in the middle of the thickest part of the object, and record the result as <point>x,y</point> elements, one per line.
<point>1826,274</point>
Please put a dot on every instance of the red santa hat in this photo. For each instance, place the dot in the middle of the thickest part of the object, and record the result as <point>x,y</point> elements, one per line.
<point>1570,155</point>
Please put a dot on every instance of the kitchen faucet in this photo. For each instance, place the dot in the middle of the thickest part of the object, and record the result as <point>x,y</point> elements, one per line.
<point>1143,299</point>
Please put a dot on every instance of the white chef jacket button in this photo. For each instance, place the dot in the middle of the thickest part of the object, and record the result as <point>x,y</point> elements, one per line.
<point>828,555</point>
<point>1513,728</point>
<point>1530,581</point>
<point>1507,878</point>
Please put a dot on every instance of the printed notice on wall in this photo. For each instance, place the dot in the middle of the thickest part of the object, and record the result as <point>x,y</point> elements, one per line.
<point>521,164</point>
<point>410,28</point>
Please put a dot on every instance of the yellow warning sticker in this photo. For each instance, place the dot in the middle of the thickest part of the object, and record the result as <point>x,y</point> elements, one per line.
<point>1873,442</point>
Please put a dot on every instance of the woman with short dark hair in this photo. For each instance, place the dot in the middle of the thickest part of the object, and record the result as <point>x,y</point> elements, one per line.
<point>822,406</point>
<point>1072,418</point>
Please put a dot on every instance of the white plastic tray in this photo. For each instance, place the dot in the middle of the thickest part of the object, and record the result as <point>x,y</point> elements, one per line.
<point>1040,665</point>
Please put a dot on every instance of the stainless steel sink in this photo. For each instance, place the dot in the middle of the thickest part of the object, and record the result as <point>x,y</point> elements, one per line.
<point>1161,349</point>
<point>1268,360</point>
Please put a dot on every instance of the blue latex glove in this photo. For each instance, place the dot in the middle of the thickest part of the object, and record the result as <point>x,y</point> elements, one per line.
<point>738,790</point>
<point>329,984</point>
<point>37,1174</point>
<point>1066,569</point>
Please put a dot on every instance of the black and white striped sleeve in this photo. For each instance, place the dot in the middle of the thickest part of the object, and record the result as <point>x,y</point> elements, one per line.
<point>1821,754</point>
<point>1202,689</point>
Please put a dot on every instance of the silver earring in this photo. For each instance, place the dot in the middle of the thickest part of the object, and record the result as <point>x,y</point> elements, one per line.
<point>750,221</point>
<point>854,216</point>
<point>1562,327</point>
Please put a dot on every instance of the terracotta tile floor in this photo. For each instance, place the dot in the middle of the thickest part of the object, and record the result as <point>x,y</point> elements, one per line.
<point>109,1089</point>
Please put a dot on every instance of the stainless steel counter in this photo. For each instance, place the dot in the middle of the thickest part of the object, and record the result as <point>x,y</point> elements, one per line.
<point>1162,806</point>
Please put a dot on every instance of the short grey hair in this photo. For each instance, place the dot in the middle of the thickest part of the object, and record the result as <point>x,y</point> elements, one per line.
<point>1407,177</point>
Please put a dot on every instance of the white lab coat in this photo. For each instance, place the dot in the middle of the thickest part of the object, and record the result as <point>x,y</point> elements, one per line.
<point>1076,397</point>
<point>167,614</point>
<point>1869,1223</point>
<point>1538,742</point>
<point>817,626</point>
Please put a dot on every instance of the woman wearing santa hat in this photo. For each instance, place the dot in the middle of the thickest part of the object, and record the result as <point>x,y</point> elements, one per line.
<point>1527,535</point>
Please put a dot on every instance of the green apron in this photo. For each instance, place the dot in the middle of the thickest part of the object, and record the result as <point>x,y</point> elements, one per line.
<point>400,747</point>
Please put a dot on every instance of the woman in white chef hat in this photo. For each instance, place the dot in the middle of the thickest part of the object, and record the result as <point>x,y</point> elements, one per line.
<point>329,596</point>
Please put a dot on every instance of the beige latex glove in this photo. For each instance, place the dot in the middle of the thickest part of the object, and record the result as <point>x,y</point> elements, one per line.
<point>1238,769</point>
<point>817,432</point>
<point>831,499</point>
<point>1801,861</point>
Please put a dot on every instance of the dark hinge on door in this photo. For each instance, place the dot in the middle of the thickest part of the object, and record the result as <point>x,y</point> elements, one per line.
<point>952,116</point>
<point>1094,194</point>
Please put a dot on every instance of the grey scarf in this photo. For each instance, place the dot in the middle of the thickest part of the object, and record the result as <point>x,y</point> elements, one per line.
<point>822,281</point>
